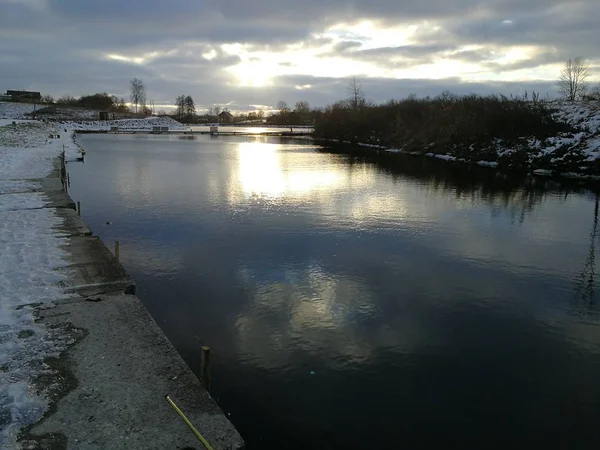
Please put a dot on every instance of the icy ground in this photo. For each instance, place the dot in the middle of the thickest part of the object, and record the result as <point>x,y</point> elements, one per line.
<point>31,257</point>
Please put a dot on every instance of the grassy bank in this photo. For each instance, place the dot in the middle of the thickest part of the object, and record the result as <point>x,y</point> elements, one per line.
<point>512,133</point>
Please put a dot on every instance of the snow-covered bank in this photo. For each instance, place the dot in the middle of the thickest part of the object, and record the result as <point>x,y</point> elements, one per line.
<point>12,111</point>
<point>29,269</point>
<point>574,153</point>
<point>145,124</point>
<point>61,289</point>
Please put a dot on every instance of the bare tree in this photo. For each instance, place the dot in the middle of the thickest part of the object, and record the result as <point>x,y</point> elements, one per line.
<point>217,110</point>
<point>282,106</point>
<point>67,100</point>
<point>357,96</point>
<point>190,106</point>
<point>180,104</point>
<point>302,107</point>
<point>138,93</point>
<point>572,81</point>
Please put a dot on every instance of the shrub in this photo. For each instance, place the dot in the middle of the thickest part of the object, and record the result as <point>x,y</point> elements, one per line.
<point>445,122</point>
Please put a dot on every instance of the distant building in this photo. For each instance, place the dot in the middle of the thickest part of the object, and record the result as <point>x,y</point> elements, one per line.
<point>105,115</point>
<point>24,96</point>
<point>225,117</point>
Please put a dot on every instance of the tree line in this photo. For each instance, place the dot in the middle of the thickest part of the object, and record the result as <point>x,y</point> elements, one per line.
<point>572,85</point>
<point>107,102</point>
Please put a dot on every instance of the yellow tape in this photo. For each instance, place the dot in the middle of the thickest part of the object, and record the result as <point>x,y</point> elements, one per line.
<point>189,424</point>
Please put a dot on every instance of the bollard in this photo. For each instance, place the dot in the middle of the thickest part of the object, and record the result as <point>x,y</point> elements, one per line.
<point>205,367</point>
<point>117,250</point>
<point>79,208</point>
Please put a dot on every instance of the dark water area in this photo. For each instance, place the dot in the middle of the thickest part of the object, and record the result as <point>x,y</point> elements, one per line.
<point>352,304</point>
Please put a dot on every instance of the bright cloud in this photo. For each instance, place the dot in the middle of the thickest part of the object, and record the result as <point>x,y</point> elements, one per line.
<point>243,54</point>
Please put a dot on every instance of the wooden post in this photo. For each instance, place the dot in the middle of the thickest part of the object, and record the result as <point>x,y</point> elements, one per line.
<point>79,208</point>
<point>206,367</point>
<point>117,250</point>
<point>63,171</point>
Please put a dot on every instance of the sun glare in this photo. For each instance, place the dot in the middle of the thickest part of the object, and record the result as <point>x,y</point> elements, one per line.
<point>253,74</point>
<point>261,172</point>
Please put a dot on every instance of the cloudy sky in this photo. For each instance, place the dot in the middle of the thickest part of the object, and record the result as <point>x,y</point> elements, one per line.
<point>250,54</point>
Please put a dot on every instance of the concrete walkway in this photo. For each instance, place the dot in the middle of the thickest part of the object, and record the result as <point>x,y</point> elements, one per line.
<point>106,390</point>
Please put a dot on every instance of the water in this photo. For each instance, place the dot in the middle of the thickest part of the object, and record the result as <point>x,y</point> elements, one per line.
<point>253,129</point>
<point>353,304</point>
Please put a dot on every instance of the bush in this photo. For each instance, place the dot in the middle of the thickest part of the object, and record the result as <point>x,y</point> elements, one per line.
<point>467,124</point>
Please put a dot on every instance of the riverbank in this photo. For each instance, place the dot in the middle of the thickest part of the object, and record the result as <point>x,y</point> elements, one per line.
<point>513,135</point>
<point>82,364</point>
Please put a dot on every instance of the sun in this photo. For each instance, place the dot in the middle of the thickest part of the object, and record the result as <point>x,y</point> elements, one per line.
<point>256,74</point>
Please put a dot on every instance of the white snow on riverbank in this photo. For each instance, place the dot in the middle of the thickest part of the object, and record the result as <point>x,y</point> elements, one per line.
<point>31,258</point>
<point>145,124</point>
<point>583,115</point>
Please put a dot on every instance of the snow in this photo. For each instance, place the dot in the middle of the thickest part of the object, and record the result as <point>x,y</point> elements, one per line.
<point>370,145</point>
<point>56,113</point>
<point>487,163</point>
<point>443,157</point>
<point>29,268</point>
<point>25,134</point>
<point>145,124</point>
<point>584,116</point>
<point>12,110</point>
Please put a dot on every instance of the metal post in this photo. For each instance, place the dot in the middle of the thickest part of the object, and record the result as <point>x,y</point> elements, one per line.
<point>206,367</point>
<point>79,208</point>
<point>117,250</point>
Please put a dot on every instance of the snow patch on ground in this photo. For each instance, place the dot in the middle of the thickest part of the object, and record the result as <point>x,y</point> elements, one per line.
<point>25,134</point>
<point>584,116</point>
<point>443,157</point>
<point>487,163</point>
<point>13,110</point>
<point>30,270</point>
<point>145,124</point>
<point>370,145</point>
<point>56,113</point>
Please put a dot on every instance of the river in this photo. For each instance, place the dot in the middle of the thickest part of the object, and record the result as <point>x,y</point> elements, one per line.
<point>354,304</point>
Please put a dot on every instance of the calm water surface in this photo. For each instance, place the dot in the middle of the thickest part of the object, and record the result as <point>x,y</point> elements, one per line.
<point>353,304</point>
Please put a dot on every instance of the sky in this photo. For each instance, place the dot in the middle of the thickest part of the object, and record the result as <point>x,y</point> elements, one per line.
<point>248,55</point>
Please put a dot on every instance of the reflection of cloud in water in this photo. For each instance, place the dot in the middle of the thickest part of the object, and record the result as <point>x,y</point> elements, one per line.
<point>153,257</point>
<point>308,310</point>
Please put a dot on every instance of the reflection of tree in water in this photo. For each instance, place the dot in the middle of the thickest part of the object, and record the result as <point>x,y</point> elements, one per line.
<point>585,295</point>
<point>515,197</point>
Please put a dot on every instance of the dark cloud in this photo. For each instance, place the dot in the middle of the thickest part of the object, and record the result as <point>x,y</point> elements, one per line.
<point>344,46</point>
<point>61,46</point>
